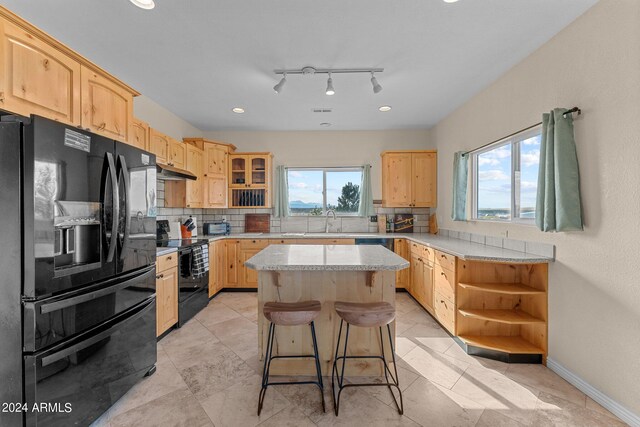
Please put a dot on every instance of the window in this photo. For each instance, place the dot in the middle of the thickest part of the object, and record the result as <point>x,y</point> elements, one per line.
<point>505,179</point>
<point>313,191</point>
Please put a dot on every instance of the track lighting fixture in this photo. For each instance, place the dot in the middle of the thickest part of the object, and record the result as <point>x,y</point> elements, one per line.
<point>376,86</point>
<point>280,84</point>
<point>310,71</point>
<point>330,90</point>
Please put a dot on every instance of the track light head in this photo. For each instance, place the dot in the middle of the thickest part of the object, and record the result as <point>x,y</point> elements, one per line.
<point>330,90</point>
<point>280,85</point>
<point>374,82</point>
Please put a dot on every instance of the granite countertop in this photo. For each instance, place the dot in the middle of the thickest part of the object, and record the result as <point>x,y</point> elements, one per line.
<point>327,258</point>
<point>165,251</point>
<point>461,248</point>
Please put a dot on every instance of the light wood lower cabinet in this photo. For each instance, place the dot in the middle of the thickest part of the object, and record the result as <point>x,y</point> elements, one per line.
<point>166,293</point>
<point>401,248</point>
<point>217,269</point>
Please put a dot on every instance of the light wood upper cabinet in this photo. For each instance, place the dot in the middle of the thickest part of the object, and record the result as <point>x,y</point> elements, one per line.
<point>140,134</point>
<point>107,108</point>
<point>250,180</point>
<point>215,159</point>
<point>159,145</point>
<point>37,78</point>
<point>177,154</point>
<point>396,179</point>
<point>409,179</point>
<point>215,188</point>
<point>194,189</point>
<point>424,179</point>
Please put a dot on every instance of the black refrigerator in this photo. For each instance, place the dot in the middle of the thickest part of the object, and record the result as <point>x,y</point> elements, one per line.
<point>77,272</point>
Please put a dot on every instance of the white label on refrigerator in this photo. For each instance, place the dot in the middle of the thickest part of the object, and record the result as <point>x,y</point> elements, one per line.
<point>145,159</point>
<point>77,140</point>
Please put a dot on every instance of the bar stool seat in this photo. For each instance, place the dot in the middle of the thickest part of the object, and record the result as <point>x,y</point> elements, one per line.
<point>291,313</point>
<point>366,314</point>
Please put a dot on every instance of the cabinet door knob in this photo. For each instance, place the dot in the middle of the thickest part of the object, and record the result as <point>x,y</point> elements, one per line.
<point>442,274</point>
<point>169,258</point>
<point>160,276</point>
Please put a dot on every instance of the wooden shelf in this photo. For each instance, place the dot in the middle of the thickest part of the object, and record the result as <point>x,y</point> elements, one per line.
<point>503,288</point>
<point>511,317</point>
<point>513,345</point>
<point>238,171</point>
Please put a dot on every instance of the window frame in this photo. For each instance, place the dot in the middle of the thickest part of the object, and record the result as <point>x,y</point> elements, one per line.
<point>324,171</point>
<point>514,141</point>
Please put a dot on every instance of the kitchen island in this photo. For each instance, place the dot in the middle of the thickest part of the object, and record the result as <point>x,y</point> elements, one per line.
<point>326,273</point>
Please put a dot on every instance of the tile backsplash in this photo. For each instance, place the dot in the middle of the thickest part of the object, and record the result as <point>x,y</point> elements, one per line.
<point>293,224</point>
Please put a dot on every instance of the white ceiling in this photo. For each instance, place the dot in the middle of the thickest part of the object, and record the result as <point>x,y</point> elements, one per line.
<point>200,58</point>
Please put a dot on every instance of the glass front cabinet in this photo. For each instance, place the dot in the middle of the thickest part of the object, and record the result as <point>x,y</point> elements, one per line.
<point>250,180</point>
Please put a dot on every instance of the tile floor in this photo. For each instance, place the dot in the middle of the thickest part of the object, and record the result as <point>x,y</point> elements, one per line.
<point>209,375</point>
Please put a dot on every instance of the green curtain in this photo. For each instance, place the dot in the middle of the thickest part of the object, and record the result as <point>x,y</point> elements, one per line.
<point>366,193</point>
<point>558,204</point>
<point>460,174</point>
<point>282,193</point>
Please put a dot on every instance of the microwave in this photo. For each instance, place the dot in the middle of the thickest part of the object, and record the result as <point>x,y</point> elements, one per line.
<point>217,228</point>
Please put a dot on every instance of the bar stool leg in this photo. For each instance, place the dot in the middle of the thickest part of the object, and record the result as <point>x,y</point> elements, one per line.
<point>267,365</point>
<point>395,380</point>
<point>318,368</point>
<point>339,376</point>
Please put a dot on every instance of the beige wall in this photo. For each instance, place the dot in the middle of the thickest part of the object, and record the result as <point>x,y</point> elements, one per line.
<point>329,148</point>
<point>594,299</point>
<point>162,119</point>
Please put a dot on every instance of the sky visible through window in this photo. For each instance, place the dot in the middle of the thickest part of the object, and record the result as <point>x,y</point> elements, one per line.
<point>494,180</point>
<point>306,187</point>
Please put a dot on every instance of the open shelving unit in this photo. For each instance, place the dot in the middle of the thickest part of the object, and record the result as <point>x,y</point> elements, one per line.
<point>502,309</point>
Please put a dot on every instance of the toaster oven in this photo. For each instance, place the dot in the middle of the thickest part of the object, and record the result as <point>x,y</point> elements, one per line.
<point>217,228</point>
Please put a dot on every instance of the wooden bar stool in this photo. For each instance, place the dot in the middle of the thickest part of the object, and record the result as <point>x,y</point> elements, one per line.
<point>365,315</point>
<point>290,314</point>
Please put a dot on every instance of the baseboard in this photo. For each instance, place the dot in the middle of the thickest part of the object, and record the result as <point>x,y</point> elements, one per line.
<point>608,403</point>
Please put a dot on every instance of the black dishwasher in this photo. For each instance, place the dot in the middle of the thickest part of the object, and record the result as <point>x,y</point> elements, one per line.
<point>387,243</point>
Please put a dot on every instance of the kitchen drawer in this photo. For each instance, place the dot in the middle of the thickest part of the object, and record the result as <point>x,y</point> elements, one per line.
<point>445,312</point>
<point>445,282</point>
<point>166,262</point>
<point>445,260</point>
<point>416,248</point>
<point>253,243</point>
<point>428,254</point>
<point>282,241</point>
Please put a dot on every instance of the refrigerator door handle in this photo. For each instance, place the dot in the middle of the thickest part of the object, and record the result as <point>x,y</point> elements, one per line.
<point>79,299</point>
<point>124,173</point>
<point>115,220</point>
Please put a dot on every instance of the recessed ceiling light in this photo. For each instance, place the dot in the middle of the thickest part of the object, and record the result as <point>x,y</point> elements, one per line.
<point>385,108</point>
<point>144,4</point>
<point>450,1</point>
<point>325,124</point>
<point>237,110</point>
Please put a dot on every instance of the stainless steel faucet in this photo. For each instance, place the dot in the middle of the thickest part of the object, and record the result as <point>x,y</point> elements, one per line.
<point>326,224</point>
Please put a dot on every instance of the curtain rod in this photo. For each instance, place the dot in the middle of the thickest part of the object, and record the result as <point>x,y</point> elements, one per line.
<point>573,110</point>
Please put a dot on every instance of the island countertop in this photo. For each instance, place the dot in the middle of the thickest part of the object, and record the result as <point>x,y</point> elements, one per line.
<point>326,258</point>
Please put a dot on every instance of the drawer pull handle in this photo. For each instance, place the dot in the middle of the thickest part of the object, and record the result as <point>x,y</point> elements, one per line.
<point>443,256</point>
<point>159,276</point>
<point>169,258</point>
<point>442,274</point>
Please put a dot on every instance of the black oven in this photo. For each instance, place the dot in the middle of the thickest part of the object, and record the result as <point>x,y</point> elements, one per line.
<point>193,280</point>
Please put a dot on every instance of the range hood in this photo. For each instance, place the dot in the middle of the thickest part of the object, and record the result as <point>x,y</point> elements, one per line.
<point>172,173</point>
